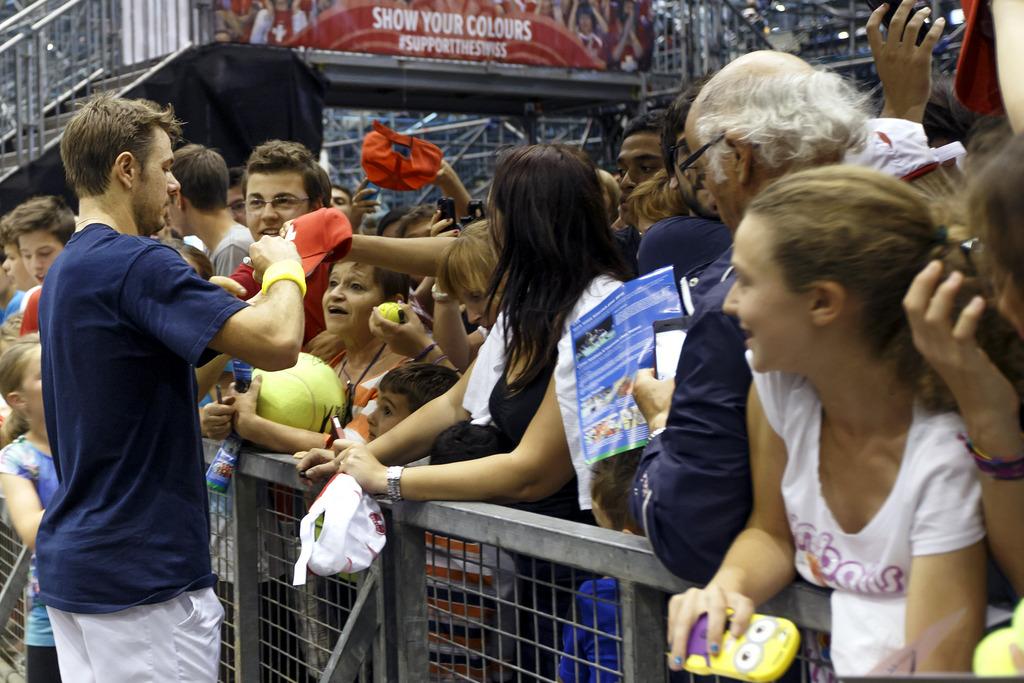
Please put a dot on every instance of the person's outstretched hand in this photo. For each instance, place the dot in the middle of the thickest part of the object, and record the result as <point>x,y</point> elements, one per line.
<point>319,464</point>
<point>904,67</point>
<point>406,339</point>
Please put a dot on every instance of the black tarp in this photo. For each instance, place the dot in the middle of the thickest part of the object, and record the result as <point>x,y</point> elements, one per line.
<point>231,97</point>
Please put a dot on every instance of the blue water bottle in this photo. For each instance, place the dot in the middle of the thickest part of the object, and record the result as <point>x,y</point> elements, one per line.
<point>243,375</point>
<point>218,475</point>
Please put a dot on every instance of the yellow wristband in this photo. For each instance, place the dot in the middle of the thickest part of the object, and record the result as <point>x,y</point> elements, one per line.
<point>285,270</point>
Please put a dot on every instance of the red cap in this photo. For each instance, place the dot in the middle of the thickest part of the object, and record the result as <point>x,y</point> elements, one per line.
<point>977,82</point>
<point>399,170</point>
<point>323,235</point>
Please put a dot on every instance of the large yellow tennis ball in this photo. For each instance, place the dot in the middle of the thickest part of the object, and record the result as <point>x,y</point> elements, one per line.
<point>992,656</point>
<point>305,396</point>
<point>391,311</point>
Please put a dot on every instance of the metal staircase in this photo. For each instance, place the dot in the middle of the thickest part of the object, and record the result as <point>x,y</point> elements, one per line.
<point>53,53</point>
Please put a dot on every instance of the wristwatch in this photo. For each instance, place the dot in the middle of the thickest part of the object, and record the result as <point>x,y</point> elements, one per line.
<point>394,491</point>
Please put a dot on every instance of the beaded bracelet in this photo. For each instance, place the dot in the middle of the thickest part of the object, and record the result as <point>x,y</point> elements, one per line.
<point>1006,470</point>
<point>424,353</point>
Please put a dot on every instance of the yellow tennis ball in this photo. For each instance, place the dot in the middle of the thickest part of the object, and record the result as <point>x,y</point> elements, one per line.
<point>391,311</point>
<point>992,656</point>
<point>306,395</point>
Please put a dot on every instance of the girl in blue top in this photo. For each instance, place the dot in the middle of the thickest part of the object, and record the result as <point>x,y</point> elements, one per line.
<point>28,480</point>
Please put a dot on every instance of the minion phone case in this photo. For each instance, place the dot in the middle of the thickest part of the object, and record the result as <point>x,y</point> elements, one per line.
<point>763,653</point>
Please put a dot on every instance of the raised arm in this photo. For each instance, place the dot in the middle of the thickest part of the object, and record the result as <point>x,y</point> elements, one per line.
<point>987,401</point>
<point>267,334</point>
<point>414,256</point>
<point>450,184</point>
<point>904,67</point>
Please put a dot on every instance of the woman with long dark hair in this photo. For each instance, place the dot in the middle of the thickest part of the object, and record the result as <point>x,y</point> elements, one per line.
<point>556,260</point>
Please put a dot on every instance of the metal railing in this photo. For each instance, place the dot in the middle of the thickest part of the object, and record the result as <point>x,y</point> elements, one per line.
<point>462,592</point>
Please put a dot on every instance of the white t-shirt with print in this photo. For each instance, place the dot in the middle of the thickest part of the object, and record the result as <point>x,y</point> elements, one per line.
<point>934,507</point>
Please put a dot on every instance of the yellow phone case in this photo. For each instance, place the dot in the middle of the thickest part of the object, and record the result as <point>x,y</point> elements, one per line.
<point>761,654</point>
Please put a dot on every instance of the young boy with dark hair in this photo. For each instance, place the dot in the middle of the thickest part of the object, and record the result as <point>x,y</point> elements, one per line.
<point>405,390</point>
<point>38,228</point>
<point>591,637</point>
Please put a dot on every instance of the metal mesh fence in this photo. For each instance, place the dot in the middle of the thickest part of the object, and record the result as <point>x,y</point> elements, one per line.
<point>298,624</point>
<point>479,599</point>
<point>12,637</point>
<point>222,557</point>
<point>496,616</point>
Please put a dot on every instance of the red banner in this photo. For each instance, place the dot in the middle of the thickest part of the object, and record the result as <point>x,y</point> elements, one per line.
<point>577,34</point>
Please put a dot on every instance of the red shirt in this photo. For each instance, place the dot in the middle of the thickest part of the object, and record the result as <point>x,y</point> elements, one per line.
<point>316,285</point>
<point>30,320</point>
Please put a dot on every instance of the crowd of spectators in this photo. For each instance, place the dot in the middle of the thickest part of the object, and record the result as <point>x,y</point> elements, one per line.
<point>846,409</point>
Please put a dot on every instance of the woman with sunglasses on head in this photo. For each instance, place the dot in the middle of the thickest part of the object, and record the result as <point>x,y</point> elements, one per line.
<point>556,260</point>
<point>354,291</point>
<point>989,402</point>
<point>862,481</point>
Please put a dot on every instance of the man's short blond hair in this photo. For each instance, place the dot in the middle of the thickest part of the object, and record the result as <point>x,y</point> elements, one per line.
<point>105,127</point>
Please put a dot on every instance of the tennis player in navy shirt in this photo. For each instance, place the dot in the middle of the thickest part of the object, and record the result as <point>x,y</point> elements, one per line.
<point>123,555</point>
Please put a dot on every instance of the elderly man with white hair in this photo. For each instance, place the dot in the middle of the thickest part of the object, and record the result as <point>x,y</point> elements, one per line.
<point>764,115</point>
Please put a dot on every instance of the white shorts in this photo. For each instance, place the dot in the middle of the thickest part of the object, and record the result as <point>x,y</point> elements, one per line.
<point>177,641</point>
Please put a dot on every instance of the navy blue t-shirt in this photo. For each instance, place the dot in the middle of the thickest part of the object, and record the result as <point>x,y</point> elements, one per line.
<point>123,320</point>
<point>687,243</point>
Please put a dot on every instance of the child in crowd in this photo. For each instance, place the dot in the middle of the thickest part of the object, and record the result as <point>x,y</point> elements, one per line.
<point>38,228</point>
<point>597,610</point>
<point>404,390</point>
<point>463,278</point>
<point>29,481</point>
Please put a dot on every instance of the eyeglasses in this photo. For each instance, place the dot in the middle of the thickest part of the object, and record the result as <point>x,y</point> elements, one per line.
<point>685,165</point>
<point>237,205</point>
<point>285,202</point>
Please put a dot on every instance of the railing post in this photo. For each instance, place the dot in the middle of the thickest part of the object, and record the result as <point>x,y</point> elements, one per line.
<point>244,513</point>
<point>405,620</point>
<point>39,41</point>
<point>643,631</point>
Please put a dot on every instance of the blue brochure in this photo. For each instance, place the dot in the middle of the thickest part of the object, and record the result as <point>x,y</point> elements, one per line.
<point>612,341</point>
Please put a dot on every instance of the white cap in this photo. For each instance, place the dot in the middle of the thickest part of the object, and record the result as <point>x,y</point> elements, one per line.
<point>900,148</point>
<point>353,532</point>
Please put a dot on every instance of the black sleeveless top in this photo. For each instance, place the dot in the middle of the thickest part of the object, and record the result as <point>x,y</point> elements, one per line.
<point>512,414</point>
